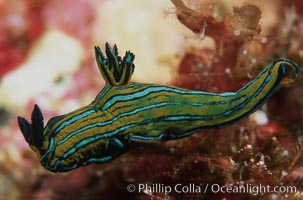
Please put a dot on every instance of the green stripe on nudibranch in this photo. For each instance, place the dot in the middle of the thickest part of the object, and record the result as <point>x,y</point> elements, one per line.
<point>123,112</point>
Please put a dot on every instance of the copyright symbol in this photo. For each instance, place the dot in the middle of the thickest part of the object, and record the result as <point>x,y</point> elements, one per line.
<point>131,188</point>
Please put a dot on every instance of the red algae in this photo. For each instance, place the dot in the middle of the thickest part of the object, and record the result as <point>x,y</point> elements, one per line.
<point>232,33</point>
<point>20,26</point>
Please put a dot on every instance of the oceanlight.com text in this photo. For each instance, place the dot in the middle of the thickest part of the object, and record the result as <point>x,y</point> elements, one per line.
<point>194,188</point>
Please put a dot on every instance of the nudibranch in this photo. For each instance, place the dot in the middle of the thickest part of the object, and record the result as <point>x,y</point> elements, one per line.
<point>124,112</point>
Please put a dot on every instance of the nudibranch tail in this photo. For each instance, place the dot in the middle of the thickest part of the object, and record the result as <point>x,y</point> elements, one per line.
<point>115,71</point>
<point>288,66</point>
<point>255,93</point>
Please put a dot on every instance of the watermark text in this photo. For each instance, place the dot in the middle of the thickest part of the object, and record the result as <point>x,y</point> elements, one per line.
<point>194,188</point>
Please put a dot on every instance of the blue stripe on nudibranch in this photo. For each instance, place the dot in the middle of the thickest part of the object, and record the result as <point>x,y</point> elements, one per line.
<point>254,80</point>
<point>108,88</point>
<point>237,107</point>
<point>73,119</point>
<point>131,85</point>
<point>97,160</point>
<point>50,148</point>
<point>152,89</point>
<point>262,86</point>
